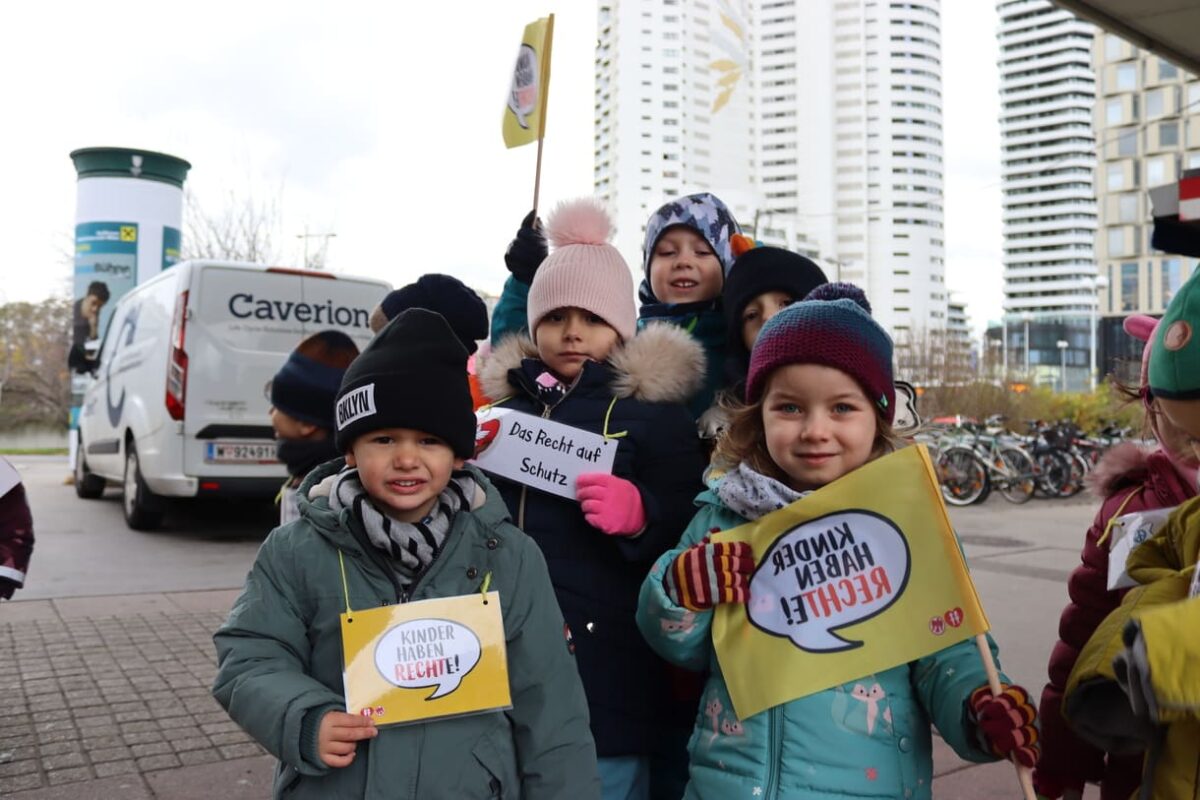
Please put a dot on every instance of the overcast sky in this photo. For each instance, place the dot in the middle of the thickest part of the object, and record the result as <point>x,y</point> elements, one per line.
<point>379,122</point>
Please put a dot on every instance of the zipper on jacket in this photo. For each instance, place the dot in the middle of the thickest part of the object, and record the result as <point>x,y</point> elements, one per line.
<point>525,489</point>
<point>774,749</point>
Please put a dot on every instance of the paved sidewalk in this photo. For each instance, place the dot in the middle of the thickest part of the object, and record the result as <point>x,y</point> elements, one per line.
<point>107,698</point>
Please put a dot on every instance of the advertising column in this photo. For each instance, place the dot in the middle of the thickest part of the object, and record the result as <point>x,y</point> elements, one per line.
<point>128,216</point>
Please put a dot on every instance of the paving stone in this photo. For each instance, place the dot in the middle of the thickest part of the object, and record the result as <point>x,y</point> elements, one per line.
<point>58,748</point>
<point>142,738</point>
<point>22,767</point>
<point>233,737</point>
<point>165,761</point>
<point>191,743</point>
<point>240,750</point>
<point>72,775</point>
<point>63,761</point>
<point>122,767</point>
<point>101,755</point>
<point>191,758</point>
<point>16,783</point>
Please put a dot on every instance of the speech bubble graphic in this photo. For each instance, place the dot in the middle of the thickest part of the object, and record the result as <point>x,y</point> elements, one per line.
<point>523,94</point>
<point>427,652</point>
<point>826,574</point>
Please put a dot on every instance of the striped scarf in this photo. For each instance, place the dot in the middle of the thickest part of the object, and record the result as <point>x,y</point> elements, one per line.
<point>412,546</point>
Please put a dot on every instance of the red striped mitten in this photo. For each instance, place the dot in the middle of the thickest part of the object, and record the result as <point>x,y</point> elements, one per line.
<point>1008,722</point>
<point>709,573</point>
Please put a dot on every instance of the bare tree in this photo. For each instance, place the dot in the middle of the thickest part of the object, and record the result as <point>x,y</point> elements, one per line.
<point>33,363</point>
<point>246,228</point>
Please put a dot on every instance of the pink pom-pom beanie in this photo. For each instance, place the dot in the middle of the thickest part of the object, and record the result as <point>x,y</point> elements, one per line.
<point>583,270</point>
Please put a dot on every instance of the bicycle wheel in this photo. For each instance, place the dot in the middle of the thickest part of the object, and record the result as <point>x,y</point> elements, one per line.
<point>1019,478</point>
<point>964,476</point>
<point>1054,472</point>
<point>1074,484</point>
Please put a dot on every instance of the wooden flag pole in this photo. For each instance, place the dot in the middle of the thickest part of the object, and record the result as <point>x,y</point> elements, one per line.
<point>1024,774</point>
<point>537,178</point>
<point>544,77</point>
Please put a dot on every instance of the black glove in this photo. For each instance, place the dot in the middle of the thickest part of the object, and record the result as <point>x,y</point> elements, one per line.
<point>527,250</point>
<point>7,587</point>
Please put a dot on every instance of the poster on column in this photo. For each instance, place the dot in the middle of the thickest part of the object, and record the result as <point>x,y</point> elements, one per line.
<point>428,659</point>
<point>105,269</point>
<point>171,240</point>
<point>539,453</point>
<point>858,577</point>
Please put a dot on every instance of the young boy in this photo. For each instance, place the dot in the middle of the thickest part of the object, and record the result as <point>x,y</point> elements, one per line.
<point>409,523</point>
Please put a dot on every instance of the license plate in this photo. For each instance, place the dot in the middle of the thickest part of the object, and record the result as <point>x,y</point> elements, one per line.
<point>240,453</point>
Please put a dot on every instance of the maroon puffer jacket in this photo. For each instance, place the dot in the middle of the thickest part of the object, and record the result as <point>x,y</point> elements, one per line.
<point>1129,479</point>
<point>16,540</point>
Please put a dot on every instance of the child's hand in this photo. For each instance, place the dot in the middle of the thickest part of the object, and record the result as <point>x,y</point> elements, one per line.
<point>1007,722</point>
<point>339,734</point>
<point>709,573</point>
<point>610,504</point>
<point>527,250</point>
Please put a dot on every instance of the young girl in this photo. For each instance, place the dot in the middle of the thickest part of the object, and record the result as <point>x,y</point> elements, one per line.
<point>585,367</point>
<point>302,395</point>
<point>1128,479</point>
<point>819,402</point>
<point>687,254</point>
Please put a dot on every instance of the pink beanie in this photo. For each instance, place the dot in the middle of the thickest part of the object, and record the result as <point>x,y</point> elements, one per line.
<point>583,270</point>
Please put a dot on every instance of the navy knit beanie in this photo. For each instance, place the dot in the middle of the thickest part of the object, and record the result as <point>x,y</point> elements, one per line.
<point>413,374</point>
<point>445,295</point>
<point>307,383</point>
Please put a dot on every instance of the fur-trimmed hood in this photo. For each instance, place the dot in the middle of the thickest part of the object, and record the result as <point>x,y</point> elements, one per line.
<point>1124,463</point>
<point>661,364</point>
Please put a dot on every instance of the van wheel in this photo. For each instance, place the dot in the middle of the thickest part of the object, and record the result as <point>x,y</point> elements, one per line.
<point>143,509</point>
<point>87,485</point>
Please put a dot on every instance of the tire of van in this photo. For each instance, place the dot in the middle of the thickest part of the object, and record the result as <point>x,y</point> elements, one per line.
<point>87,485</point>
<point>143,509</point>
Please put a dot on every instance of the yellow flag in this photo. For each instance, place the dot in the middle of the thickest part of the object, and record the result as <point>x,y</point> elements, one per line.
<point>525,113</point>
<point>861,576</point>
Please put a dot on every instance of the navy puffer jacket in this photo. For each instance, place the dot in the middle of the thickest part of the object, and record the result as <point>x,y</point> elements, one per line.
<point>640,391</point>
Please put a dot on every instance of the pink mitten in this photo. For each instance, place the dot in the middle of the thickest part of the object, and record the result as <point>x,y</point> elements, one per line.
<point>610,504</point>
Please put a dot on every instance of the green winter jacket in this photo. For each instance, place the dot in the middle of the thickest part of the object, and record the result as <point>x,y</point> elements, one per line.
<point>280,663</point>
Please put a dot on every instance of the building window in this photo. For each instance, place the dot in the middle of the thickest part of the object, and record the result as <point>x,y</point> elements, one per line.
<point>1126,77</point>
<point>1127,142</point>
<point>1172,279</point>
<point>1154,103</point>
<point>1116,242</point>
<point>1114,111</point>
<point>1112,46</point>
<point>1129,285</point>
<point>1156,171</point>
<point>1116,177</point>
<point>1127,207</point>
<point>1167,70</point>
<point>1168,134</point>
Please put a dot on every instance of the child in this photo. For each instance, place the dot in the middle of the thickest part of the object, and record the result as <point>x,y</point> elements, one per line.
<point>16,531</point>
<point>302,395</point>
<point>819,403</point>
<point>688,251</point>
<point>761,282</point>
<point>1128,479</point>
<point>585,367</point>
<point>411,523</point>
<point>1150,696</point>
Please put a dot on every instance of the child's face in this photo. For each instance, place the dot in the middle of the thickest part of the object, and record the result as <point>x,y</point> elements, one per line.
<point>1177,426</point>
<point>819,425</point>
<point>403,470</point>
<point>684,268</point>
<point>759,310</point>
<point>288,427</point>
<point>568,337</point>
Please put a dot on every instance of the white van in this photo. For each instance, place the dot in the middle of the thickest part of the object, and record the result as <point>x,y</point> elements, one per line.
<point>178,406</point>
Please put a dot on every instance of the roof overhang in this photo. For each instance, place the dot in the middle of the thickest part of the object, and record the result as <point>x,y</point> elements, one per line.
<point>1168,28</point>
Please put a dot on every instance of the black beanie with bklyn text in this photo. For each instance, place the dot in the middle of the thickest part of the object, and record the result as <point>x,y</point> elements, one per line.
<point>413,374</point>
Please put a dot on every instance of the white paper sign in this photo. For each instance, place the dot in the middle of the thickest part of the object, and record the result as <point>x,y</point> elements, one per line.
<point>539,453</point>
<point>1128,531</point>
<point>8,477</point>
